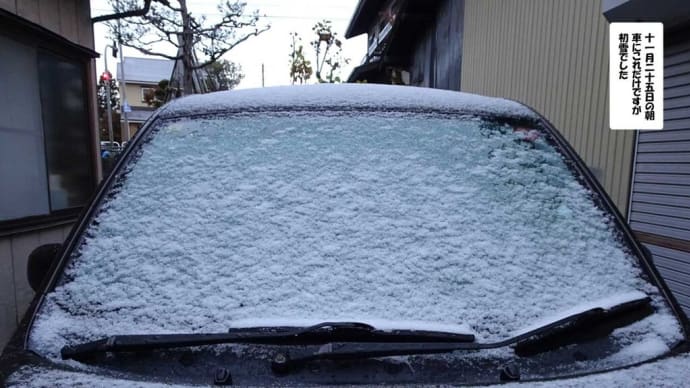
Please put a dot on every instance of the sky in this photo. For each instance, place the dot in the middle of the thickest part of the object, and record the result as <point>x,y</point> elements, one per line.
<point>271,48</point>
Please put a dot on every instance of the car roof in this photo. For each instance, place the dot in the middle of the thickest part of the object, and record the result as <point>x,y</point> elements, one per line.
<point>324,97</point>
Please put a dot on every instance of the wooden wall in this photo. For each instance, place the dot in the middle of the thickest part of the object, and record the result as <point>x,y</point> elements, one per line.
<point>15,293</point>
<point>69,18</point>
<point>72,20</point>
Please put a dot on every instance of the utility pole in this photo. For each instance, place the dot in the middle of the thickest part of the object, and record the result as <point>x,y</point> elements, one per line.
<point>124,106</point>
<point>262,75</point>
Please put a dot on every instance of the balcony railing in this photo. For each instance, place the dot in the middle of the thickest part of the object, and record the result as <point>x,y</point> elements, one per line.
<point>380,37</point>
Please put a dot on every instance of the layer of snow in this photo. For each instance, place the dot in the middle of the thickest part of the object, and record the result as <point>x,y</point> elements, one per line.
<point>346,96</point>
<point>671,372</point>
<point>389,217</point>
<point>378,324</point>
<point>605,303</point>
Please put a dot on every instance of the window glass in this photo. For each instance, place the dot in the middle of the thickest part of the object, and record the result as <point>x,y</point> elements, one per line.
<point>365,217</point>
<point>67,134</point>
<point>145,92</point>
<point>23,187</point>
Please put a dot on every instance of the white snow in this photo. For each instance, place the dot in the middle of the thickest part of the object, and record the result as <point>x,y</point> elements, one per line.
<point>346,96</point>
<point>605,303</point>
<point>667,373</point>
<point>378,324</point>
<point>415,219</point>
<point>670,372</point>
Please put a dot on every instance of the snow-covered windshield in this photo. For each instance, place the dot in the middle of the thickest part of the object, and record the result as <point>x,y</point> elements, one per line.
<point>402,218</point>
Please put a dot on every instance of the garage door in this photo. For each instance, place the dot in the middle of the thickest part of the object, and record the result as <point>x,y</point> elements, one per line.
<point>660,201</point>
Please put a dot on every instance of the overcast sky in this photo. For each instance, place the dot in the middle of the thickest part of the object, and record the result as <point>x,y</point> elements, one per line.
<point>272,48</point>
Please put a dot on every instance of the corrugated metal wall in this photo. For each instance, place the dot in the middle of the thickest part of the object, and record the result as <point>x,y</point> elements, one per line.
<point>553,56</point>
<point>660,213</point>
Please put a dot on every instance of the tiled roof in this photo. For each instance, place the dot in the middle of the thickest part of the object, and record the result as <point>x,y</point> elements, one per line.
<point>139,115</point>
<point>148,70</point>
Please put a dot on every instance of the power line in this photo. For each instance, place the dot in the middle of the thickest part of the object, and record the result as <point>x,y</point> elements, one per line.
<point>334,18</point>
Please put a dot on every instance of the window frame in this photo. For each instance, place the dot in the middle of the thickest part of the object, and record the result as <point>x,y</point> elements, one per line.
<point>555,138</point>
<point>43,40</point>
<point>143,92</point>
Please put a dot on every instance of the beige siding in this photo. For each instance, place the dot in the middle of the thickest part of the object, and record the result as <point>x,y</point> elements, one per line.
<point>134,94</point>
<point>69,18</point>
<point>15,293</point>
<point>553,56</point>
<point>133,129</point>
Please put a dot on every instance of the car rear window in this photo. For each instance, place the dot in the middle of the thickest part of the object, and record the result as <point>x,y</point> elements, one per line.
<point>410,219</point>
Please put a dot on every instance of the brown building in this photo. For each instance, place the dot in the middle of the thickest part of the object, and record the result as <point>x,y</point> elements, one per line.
<point>49,159</point>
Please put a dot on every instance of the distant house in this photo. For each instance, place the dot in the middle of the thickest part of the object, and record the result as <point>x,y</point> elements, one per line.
<point>142,75</point>
<point>49,151</point>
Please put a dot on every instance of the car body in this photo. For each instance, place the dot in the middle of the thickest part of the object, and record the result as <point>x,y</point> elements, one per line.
<point>348,234</point>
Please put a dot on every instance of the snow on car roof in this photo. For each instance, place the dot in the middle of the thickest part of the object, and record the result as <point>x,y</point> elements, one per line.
<point>346,96</point>
<point>374,217</point>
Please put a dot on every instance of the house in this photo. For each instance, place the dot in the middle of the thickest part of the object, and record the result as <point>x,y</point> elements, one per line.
<point>410,42</point>
<point>141,76</point>
<point>49,150</point>
<point>553,56</point>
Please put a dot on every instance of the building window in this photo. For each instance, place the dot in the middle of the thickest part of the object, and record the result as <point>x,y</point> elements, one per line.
<point>146,92</point>
<point>45,139</point>
<point>66,131</point>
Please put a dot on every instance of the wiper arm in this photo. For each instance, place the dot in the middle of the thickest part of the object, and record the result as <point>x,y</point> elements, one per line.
<point>588,325</point>
<point>355,340</point>
<point>321,333</point>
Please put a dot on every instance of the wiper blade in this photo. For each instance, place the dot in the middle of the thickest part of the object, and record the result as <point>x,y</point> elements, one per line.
<point>585,326</point>
<point>321,333</point>
<point>356,340</point>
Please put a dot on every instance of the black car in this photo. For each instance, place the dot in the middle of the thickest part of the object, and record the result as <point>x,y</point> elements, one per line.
<point>348,234</point>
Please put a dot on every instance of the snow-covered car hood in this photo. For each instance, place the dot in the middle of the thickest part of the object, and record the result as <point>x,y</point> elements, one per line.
<point>407,216</point>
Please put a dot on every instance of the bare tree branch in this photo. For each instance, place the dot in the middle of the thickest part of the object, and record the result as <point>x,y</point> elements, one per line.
<point>219,53</point>
<point>125,14</point>
<point>146,51</point>
<point>170,23</point>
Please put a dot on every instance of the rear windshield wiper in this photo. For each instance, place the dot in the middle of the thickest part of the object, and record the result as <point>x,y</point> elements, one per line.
<point>577,328</point>
<point>321,333</point>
